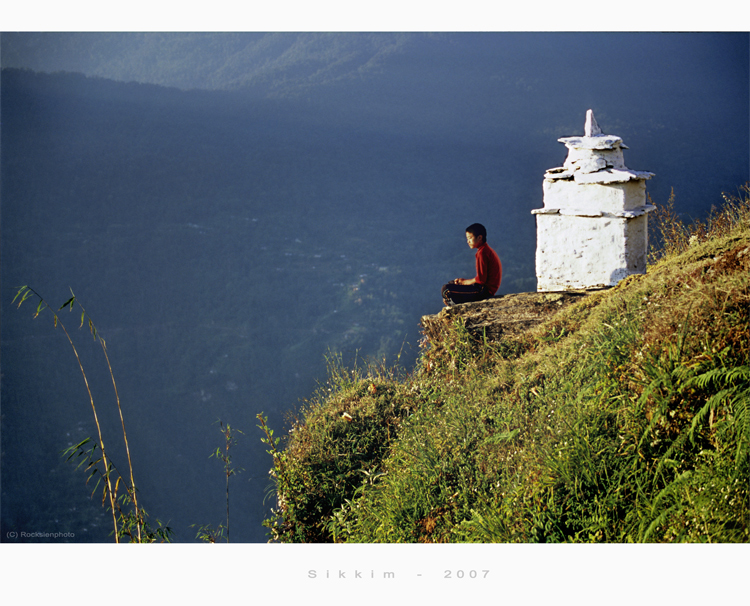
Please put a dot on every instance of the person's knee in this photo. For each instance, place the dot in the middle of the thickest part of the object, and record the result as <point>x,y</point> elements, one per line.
<point>446,293</point>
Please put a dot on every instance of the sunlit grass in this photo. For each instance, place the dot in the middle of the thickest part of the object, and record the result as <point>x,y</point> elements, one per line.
<point>624,418</point>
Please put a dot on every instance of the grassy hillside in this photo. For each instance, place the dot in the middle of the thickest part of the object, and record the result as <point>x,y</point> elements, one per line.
<point>624,418</point>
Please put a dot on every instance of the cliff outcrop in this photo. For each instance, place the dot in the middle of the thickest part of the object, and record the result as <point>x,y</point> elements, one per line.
<point>611,416</point>
<point>504,316</point>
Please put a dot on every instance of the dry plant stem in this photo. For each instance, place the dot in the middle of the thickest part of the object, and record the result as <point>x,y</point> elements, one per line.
<point>127,447</point>
<point>98,429</point>
<point>228,473</point>
<point>124,434</point>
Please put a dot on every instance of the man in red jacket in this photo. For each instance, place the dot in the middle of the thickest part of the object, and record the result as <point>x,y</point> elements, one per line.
<point>489,271</point>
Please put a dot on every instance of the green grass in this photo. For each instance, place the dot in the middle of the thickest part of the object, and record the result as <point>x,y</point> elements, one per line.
<point>624,418</point>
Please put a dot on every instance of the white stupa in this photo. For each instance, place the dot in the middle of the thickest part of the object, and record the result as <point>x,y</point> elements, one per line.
<point>593,229</point>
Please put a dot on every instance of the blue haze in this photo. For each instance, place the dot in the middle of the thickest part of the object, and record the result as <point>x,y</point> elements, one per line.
<point>230,208</point>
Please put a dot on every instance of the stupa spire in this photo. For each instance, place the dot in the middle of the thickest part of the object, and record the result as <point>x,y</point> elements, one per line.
<point>591,128</point>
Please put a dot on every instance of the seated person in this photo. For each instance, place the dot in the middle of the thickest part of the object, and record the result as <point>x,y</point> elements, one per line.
<point>489,271</point>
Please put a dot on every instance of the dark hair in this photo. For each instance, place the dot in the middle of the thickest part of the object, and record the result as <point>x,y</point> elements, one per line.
<point>477,229</point>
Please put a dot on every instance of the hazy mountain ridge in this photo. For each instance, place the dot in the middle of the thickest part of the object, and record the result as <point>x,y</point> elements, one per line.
<point>277,62</point>
<point>517,88</point>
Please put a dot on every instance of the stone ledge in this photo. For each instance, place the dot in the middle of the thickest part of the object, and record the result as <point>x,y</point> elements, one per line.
<point>594,142</point>
<point>612,175</point>
<point>507,315</point>
<point>577,212</point>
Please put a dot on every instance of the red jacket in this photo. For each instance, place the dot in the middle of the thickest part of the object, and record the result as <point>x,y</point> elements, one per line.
<point>489,268</point>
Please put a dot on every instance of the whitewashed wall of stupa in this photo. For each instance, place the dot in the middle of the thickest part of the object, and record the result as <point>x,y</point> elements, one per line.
<point>576,252</point>
<point>592,197</point>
